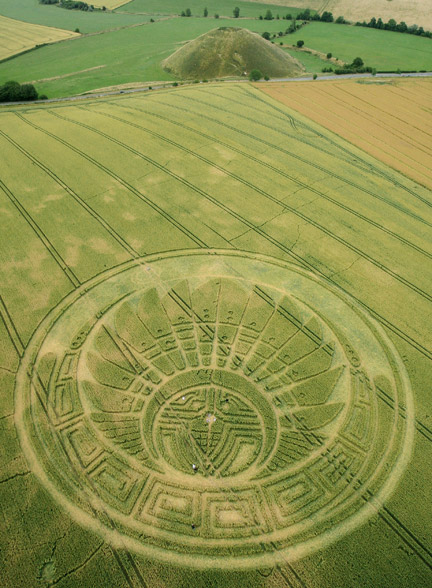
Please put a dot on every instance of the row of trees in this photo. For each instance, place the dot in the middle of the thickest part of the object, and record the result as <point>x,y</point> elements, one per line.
<point>188,12</point>
<point>392,25</point>
<point>306,15</point>
<point>15,92</point>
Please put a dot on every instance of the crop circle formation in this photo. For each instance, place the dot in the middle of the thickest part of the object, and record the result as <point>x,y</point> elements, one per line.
<point>214,408</point>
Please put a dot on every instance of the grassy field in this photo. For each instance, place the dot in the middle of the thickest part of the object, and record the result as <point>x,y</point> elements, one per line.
<point>383,50</point>
<point>53,16</point>
<point>358,110</point>
<point>222,7</point>
<point>96,62</point>
<point>312,63</point>
<point>17,36</point>
<point>204,275</point>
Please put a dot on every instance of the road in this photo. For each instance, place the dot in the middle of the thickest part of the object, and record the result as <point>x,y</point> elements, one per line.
<point>170,85</point>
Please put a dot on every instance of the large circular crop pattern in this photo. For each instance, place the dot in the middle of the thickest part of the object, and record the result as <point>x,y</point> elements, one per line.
<point>214,408</point>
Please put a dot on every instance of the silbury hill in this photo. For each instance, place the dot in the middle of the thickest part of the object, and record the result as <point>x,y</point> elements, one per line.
<point>230,51</point>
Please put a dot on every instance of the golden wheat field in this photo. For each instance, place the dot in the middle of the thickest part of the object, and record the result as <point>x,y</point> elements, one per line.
<point>388,119</point>
<point>17,36</point>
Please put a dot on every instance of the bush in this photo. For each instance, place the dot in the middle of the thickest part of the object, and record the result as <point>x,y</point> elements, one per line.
<point>77,30</point>
<point>266,78</point>
<point>175,84</point>
<point>300,43</point>
<point>315,76</point>
<point>43,97</point>
<point>329,55</point>
<point>216,15</point>
<point>266,36</point>
<point>255,75</point>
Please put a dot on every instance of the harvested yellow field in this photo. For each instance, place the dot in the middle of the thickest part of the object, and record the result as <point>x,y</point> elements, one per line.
<point>391,120</point>
<point>17,36</point>
<point>410,11</point>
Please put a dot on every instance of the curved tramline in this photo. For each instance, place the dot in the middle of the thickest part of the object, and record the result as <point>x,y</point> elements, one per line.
<point>214,406</point>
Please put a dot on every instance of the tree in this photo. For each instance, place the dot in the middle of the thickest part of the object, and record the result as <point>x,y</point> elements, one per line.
<point>266,36</point>
<point>340,20</point>
<point>300,43</point>
<point>236,12</point>
<point>326,16</point>
<point>188,12</point>
<point>268,15</point>
<point>205,12</point>
<point>357,63</point>
<point>255,75</point>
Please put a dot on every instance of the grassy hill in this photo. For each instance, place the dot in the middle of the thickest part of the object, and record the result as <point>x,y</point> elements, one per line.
<point>229,51</point>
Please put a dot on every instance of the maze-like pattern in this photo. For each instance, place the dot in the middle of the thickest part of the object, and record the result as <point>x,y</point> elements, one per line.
<point>216,416</point>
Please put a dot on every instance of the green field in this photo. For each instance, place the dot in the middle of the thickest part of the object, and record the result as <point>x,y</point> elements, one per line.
<point>383,50</point>
<point>142,50</point>
<point>312,63</point>
<point>223,7</point>
<point>214,324</point>
<point>53,16</point>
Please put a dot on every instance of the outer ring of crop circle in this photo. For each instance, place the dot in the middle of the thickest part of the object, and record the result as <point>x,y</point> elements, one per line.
<point>114,537</point>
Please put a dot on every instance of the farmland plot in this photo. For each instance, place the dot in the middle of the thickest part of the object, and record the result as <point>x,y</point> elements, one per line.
<point>214,313</point>
<point>17,36</point>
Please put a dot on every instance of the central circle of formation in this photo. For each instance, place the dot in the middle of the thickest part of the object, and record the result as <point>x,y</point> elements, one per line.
<point>227,415</point>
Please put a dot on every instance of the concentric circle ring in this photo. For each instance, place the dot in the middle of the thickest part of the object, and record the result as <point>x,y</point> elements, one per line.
<point>214,406</point>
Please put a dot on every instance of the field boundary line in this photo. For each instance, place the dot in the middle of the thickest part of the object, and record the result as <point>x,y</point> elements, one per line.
<point>376,170</point>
